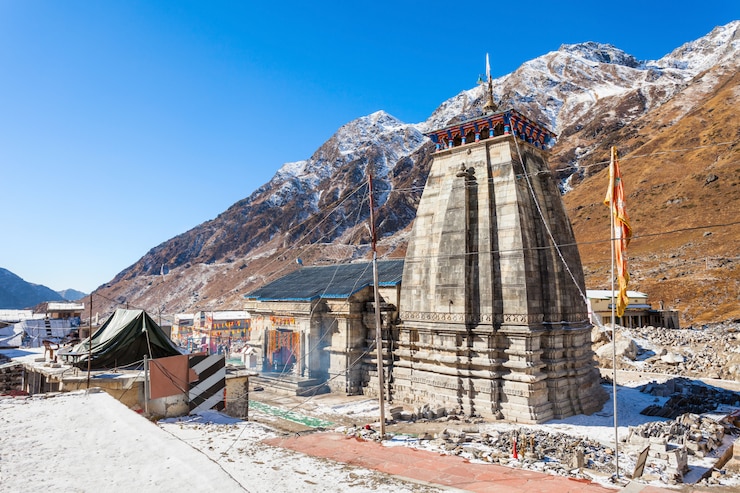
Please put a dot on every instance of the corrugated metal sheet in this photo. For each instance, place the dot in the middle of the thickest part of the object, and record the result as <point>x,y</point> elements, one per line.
<point>332,281</point>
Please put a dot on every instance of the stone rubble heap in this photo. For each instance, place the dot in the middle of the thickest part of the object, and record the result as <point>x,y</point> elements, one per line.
<point>667,444</point>
<point>711,351</point>
<point>525,448</point>
<point>666,461</point>
<point>686,396</point>
<point>670,443</point>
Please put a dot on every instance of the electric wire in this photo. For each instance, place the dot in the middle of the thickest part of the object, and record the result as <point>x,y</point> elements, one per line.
<point>244,488</point>
<point>327,331</point>
<point>326,288</point>
<point>547,226</point>
<point>525,175</point>
<point>601,164</point>
<point>556,246</point>
<point>338,203</point>
<point>297,256</point>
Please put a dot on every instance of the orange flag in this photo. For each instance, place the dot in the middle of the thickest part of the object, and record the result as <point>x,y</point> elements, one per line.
<point>622,233</point>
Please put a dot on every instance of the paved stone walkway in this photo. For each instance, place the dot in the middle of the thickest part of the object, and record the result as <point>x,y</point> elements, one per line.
<point>443,470</point>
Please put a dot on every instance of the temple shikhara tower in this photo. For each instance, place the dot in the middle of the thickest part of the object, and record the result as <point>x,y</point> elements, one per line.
<point>493,313</point>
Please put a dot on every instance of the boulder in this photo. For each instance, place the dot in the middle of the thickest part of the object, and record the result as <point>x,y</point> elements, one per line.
<point>625,348</point>
<point>672,358</point>
<point>600,335</point>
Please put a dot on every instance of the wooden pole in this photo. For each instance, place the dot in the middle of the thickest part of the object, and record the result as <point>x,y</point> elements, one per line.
<point>378,335</point>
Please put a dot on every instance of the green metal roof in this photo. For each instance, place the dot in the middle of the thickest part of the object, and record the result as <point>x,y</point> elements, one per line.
<point>332,281</point>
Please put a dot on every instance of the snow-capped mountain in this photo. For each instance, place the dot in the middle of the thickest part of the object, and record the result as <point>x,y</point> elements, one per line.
<point>592,95</point>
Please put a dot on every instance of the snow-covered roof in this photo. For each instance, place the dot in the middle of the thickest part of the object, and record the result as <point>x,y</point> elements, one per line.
<point>230,315</point>
<point>8,315</point>
<point>60,305</point>
<point>605,294</point>
<point>213,315</point>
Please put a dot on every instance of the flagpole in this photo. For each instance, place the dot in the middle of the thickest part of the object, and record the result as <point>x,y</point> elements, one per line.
<point>614,332</point>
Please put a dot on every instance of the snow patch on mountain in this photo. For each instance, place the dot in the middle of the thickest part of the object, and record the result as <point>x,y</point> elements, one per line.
<point>379,138</point>
<point>721,45</point>
<point>290,170</point>
<point>600,53</point>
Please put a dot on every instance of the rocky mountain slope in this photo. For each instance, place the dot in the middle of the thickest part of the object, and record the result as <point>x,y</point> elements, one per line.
<point>17,294</point>
<point>71,294</point>
<point>672,120</point>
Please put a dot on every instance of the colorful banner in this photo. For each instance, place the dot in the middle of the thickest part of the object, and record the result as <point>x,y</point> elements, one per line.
<point>622,233</point>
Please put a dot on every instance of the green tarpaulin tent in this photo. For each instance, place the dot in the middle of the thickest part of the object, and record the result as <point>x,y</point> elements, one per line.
<point>123,341</point>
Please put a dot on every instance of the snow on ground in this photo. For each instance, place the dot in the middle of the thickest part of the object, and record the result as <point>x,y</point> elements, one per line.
<point>367,408</point>
<point>87,441</point>
<point>599,426</point>
<point>73,441</point>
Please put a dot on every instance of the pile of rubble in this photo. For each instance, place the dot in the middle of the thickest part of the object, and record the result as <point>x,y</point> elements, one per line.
<point>686,396</point>
<point>524,448</point>
<point>655,451</point>
<point>711,351</point>
<point>701,435</point>
<point>666,446</point>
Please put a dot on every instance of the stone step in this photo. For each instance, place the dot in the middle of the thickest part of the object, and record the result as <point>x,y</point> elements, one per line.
<point>290,384</point>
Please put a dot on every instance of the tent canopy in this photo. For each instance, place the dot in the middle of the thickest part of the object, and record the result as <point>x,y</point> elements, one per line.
<point>123,340</point>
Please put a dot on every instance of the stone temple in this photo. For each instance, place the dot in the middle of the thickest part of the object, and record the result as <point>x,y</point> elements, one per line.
<point>493,311</point>
<point>487,314</point>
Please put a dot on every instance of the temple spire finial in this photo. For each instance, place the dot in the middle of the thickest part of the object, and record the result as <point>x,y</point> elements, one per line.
<point>490,106</point>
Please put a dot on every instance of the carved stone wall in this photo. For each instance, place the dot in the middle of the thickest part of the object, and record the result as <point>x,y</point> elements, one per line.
<point>332,337</point>
<point>493,316</point>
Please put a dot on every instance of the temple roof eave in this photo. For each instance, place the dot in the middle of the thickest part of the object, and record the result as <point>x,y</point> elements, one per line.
<point>497,115</point>
<point>510,120</point>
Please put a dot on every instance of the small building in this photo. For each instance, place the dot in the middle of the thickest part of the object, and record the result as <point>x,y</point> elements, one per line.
<point>219,332</point>
<point>639,311</point>
<point>62,310</point>
<point>51,321</point>
<point>318,323</point>
<point>182,328</point>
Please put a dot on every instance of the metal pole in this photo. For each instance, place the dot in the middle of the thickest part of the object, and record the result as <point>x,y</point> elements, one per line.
<point>378,335</point>
<point>89,349</point>
<point>146,385</point>
<point>614,332</point>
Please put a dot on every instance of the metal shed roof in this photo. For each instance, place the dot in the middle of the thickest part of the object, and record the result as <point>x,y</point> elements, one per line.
<point>332,281</point>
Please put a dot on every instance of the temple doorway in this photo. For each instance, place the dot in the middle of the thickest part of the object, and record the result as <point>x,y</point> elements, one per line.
<point>283,346</point>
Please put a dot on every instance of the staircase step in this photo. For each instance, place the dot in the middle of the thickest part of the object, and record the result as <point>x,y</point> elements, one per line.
<point>291,384</point>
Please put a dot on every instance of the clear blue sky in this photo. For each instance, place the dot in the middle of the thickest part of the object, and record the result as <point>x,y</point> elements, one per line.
<point>126,123</point>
